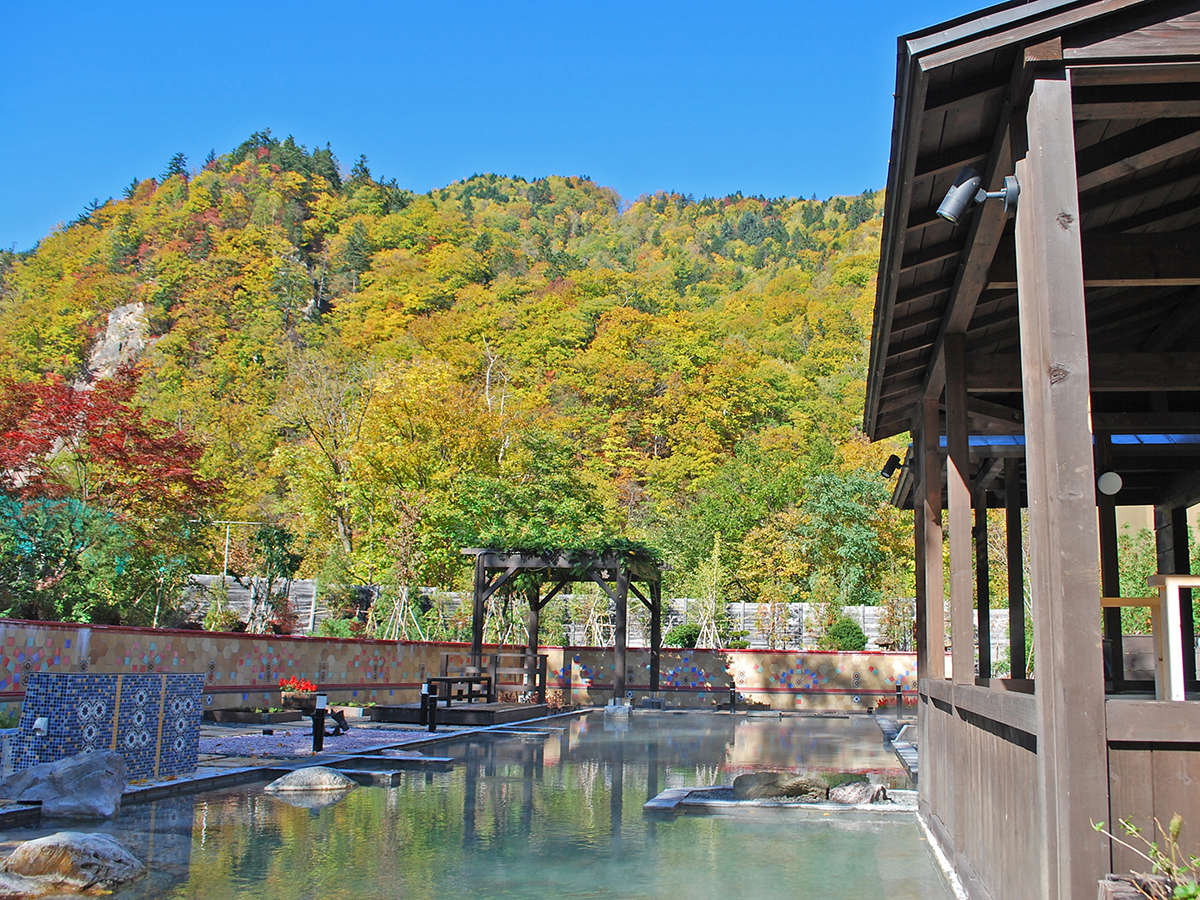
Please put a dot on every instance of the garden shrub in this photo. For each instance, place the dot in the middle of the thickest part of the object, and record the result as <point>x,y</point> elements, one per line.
<point>845,634</point>
<point>682,635</point>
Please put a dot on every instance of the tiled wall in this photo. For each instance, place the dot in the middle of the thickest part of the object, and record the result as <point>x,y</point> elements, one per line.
<point>152,720</point>
<point>244,670</point>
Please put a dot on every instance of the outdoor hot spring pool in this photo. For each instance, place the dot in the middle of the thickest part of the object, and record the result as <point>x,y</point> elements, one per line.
<point>554,813</point>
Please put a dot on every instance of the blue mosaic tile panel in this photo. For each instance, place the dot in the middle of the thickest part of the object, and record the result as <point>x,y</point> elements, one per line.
<point>151,720</point>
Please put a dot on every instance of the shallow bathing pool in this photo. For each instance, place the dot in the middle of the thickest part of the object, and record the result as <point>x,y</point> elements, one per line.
<point>555,811</point>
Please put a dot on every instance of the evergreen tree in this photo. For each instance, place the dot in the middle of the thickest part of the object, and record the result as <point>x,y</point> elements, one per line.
<point>176,166</point>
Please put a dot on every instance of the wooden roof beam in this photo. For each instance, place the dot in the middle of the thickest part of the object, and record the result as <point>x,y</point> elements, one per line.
<point>951,160</point>
<point>1110,372</point>
<point>1136,150</point>
<point>1169,259</point>
<point>1140,101</point>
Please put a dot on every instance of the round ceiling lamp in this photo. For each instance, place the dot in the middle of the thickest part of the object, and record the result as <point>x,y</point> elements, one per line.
<point>1109,483</point>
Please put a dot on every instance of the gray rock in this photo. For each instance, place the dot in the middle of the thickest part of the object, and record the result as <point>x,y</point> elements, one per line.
<point>858,792</point>
<point>756,785</point>
<point>83,786</point>
<point>312,778</point>
<point>765,785</point>
<point>803,787</point>
<point>68,861</point>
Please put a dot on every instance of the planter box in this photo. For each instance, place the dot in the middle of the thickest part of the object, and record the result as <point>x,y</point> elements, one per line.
<point>1124,887</point>
<point>250,717</point>
<point>304,701</point>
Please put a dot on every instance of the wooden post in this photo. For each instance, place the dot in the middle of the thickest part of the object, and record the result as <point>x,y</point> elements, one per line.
<point>1174,558</point>
<point>1110,573</point>
<point>983,598</point>
<point>532,623</point>
<point>622,601</point>
<point>958,497</point>
<point>922,607</point>
<point>477,612</point>
<point>931,530</point>
<point>655,632</point>
<point>1072,772</point>
<point>1017,653</point>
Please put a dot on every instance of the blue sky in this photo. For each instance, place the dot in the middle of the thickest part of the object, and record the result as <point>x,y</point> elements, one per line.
<point>775,98</point>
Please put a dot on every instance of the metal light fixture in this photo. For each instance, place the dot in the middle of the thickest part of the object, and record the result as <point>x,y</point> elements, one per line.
<point>967,189</point>
<point>889,467</point>
<point>1109,483</point>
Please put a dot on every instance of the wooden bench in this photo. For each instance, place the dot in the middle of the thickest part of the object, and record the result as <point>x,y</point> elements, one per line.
<point>459,687</point>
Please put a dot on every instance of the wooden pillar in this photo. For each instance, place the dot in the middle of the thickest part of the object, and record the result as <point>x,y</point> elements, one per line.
<point>619,636</point>
<point>931,530</point>
<point>921,610</point>
<point>958,505</point>
<point>532,625</point>
<point>655,632</point>
<point>983,597</point>
<point>477,612</point>
<point>1016,570</point>
<point>1174,558</point>
<point>1072,771</point>
<point>1110,573</point>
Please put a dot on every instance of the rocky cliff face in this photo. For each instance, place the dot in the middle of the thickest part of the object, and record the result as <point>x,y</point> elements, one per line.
<point>125,338</point>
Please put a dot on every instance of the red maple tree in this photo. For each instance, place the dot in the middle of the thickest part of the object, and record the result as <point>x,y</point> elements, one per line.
<point>93,443</point>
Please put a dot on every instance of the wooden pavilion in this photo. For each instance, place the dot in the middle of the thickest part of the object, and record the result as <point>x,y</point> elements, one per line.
<point>1027,352</point>
<point>617,572</point>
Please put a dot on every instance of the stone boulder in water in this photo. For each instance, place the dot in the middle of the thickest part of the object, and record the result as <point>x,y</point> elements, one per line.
<point>312,778</point>
<point>87,785</point>
<point>766,785</point>
<point>67,862</point>
<point>858,792</point>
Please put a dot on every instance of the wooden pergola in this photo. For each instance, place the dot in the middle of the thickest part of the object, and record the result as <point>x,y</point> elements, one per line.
<point>617,572</point>
<point>1027,353</point>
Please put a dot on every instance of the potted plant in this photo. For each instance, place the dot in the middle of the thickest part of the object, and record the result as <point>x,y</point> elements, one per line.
<point>298,693</point>
<point>1173,875</point>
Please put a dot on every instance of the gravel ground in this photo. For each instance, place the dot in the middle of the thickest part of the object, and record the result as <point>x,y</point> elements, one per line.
<point>296,742</point>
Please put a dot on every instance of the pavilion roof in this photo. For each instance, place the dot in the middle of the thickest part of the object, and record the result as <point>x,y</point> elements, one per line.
<point>1135,72</point>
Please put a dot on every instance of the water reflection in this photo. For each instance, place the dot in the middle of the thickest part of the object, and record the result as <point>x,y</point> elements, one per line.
<point>556,811</point>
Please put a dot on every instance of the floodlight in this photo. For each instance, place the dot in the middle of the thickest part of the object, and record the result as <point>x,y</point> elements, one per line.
<point>967,189</point>
<point>889,467</point>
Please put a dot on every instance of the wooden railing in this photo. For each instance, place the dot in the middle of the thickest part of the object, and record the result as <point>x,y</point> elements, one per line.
<point>503,667</point>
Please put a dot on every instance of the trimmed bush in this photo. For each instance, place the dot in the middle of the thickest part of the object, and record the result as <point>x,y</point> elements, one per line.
<point>682,636</point>
<point>845,634</point>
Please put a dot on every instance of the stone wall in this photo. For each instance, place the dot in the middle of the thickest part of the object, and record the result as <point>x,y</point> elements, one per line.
<point>243,670</point>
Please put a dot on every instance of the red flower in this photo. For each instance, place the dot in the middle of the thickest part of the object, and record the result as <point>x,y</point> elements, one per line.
<point>296,684</point>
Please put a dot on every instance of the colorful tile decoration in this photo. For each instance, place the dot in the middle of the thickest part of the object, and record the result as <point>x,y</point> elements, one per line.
<point>239,670</point>
<point>151,720</point>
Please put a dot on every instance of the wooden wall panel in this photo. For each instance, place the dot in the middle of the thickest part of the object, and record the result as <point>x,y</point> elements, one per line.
<point>1148,782</point>
<point>978,787</point>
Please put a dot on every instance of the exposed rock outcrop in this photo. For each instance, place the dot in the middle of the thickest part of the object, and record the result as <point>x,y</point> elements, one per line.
<point>125,338</point>
<point>84,786</point>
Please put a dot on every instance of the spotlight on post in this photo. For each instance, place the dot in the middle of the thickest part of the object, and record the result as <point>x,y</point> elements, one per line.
<point>889,467</point>
<point>967,189</point>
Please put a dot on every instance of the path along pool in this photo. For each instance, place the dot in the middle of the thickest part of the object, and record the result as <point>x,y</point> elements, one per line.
<point>555,811</point>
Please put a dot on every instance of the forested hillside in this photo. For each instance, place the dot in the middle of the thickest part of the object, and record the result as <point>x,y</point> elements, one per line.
<point>383,377</point>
